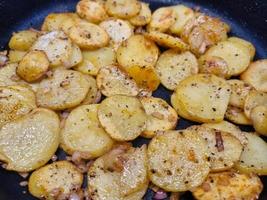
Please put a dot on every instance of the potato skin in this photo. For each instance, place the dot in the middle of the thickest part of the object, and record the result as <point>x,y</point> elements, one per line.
<point>23,40</point>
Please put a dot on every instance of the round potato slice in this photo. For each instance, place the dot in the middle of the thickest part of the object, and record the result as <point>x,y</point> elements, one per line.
<point>92,11</point>
<point>224,150</point>
<point>69,22</point>
<point>65,89</point>
<point>76,57</point>
<point>239,92</point>
<point>15,56</point>
<point>161,116</point>
<point>229,185</point>
<point>113,81</point>
<point>143,17</point>
<point>33,66</point>
<point>258,117</point>
<point>83,133</point>
<point>237,116</point>
<point>202,98</point>
<point>172,67</point>
<point>88,36</point>
<point>29,142</point>
<point>246,44</point>
<point>93,95</point>
<point>124,9</point>
<point>122,117</point>
<point>177,160</point>
<point>254,99</point>
<point>15,102</point>
<point>8,75</point>
<point>60,175</point>
<point>23,40</point>
<point>256,74</point>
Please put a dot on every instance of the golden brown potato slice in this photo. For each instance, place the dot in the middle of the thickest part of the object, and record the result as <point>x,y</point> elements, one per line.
<point>245,43</point>
<point>29,142</point>
<point>258,117</point>
<point>33,66</point>
<point>93,95</point>
<point>83,133</point>
<point>254,99</point>
<point>122,117</point>
<point>23,40</point>
<point>93,60</point>
<point>224,150</point>
<point>256,74</point>
<point>61,175</point>
<point>124,9</point>
<point>75,58</point>
<point>92,11</point>
<point>8,75</point>
<point>177,160</point>
<point>64,89</point>
<point>253,158</point>
<point>237,116</point>
<point>113,81</point>
<point>202,98</point>
<point>15,56</point>
<point>172,67</point>
<point>161,116</point>
<point>229,185</point>
<point>69,22</point>
<point>143,17</point>
<point>88,36</point>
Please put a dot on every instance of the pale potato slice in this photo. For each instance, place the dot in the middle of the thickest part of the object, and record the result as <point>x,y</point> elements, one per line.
<point>64,89</point>
<point>137,51</point>
<point>33,66</point>
<point>177,160</point>
<point>15,102</point>
<point>93,95</point>
<point>254,99</point>
<point>60,175</point>
<point>162,19</point>
<point>183,15</point>
<point>229,185</point>
<point>29,142</point>
<point>83,133</point>
<point>76,57</point>
<point>122,117</point>
<point>234,54</point>
<point>15,56</point>
<point>92,11</point>
<point>237,116</point>
<point>167,40</point>
<point>228,127</point>
<point>258,117</point>
<point>239,92</point>
<point>172,67</point>
<point>224,150</point>
<point>95,59</point>
<point>88,36</point>
<point>256,74</point>
<point>161,116</point>
<point>113,81</point>
<point>202,98</point>
<point>56,45</point>
<point>123,8</point>
<point>253,158</point>
<point>245,43</point>
<point>143,17</point>
<point>8,75</point>
<point>23,40</point>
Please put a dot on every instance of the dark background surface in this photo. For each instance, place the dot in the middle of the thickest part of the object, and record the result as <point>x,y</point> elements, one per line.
<point>248,19</point>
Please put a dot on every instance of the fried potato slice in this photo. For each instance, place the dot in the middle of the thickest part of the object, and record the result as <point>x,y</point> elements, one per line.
<point>93,96</point>
<point>61,175</point>
<point>29,142</point>
<point>237,116</point>
<point>69,22</point>
<point>65,89</point>
<point>93,60</point>
<point>161,116</point>
<point>258,117</point>
<point>253,158</point>
<point>56,45</point>
<point>124,9</point>
<point>83,133</point>
<point>229,185</point>
<point>177,160</point>
<point>8,75</point>
<point>122,117</point>
<point>15,56</point>
<point>256,74</point>
<point>111,80</point>
<point>224,150</point>
<point>254,99</point>
<point>23,40</point>
<point>33,66</point>
<point>92,11</point>
<point>143,17</point>
<point>202,98</point>
<point>245,43</point>
<point>76,57</point>
<point>167,40</point>
<point>88,36</point>
<point>172,67</point>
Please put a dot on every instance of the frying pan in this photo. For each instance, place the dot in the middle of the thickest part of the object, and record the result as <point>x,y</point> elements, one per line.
<point>247,18</point>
